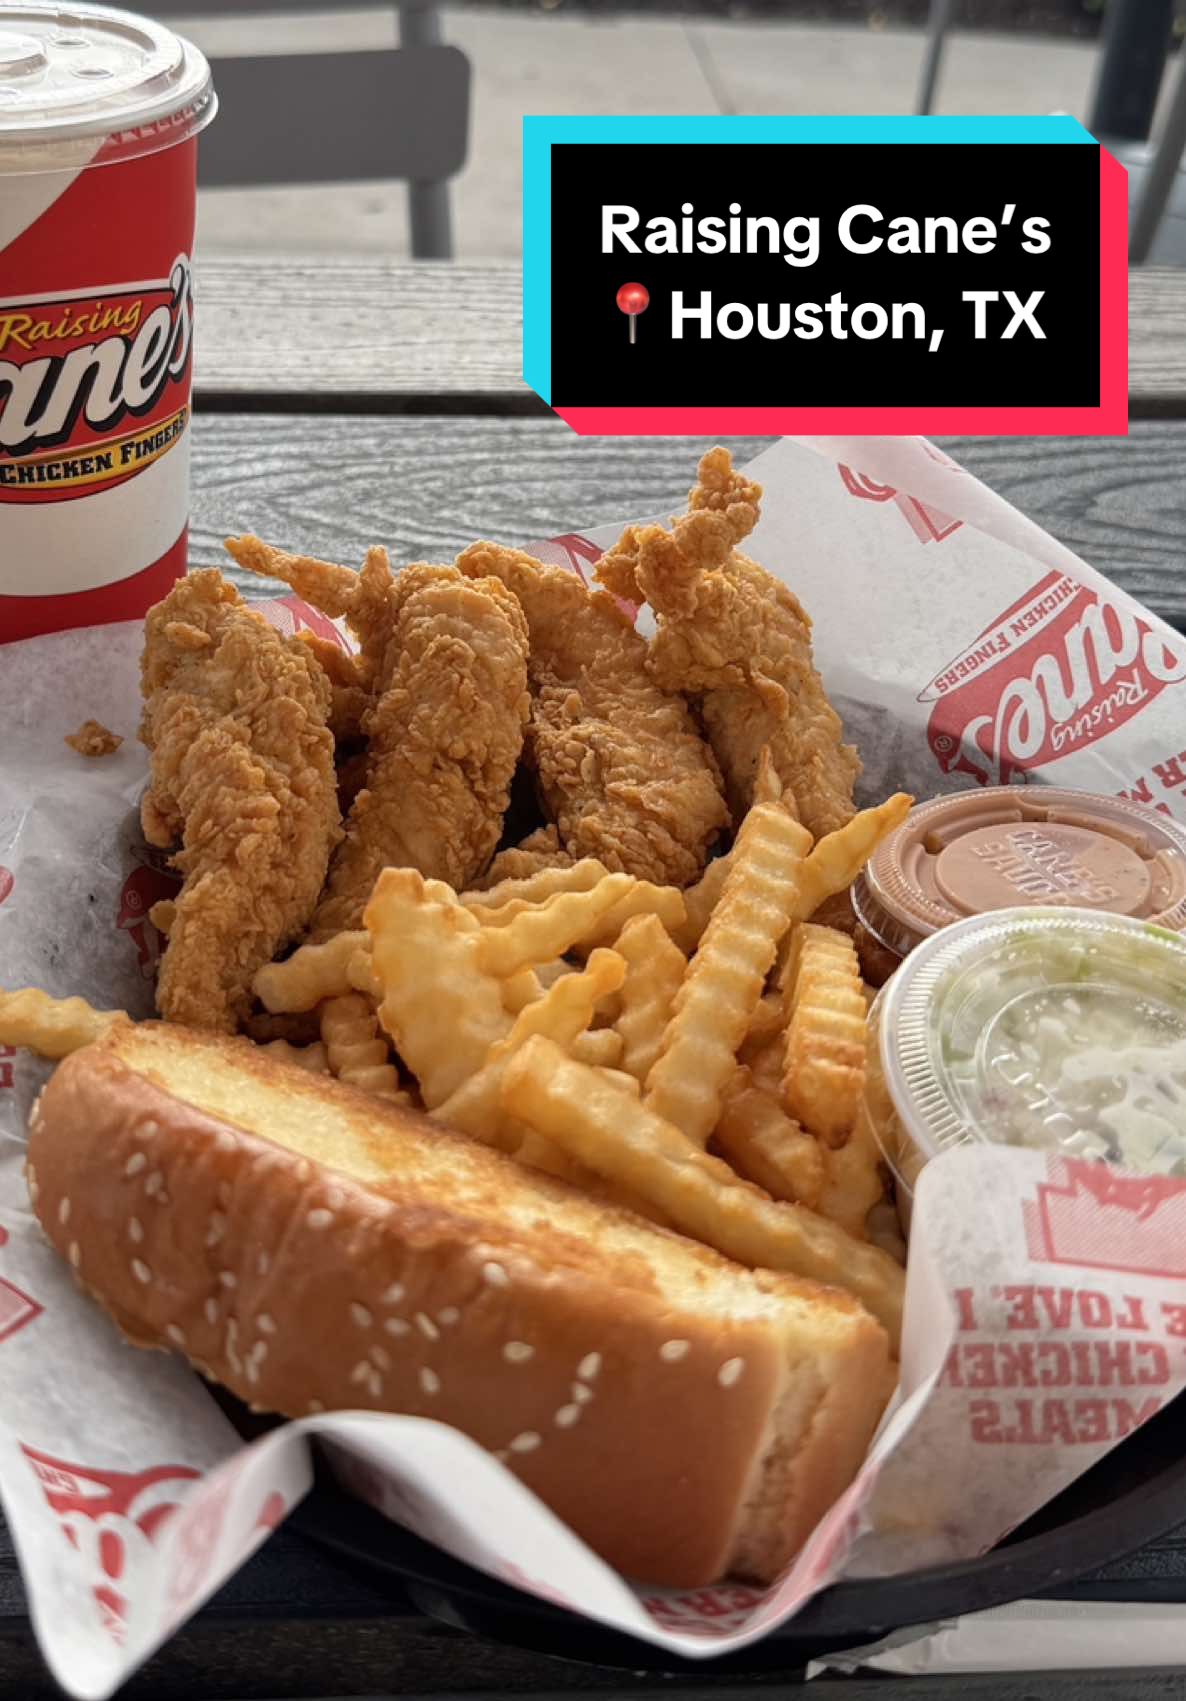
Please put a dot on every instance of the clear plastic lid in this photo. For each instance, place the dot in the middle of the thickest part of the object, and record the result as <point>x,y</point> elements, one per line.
<point>1004,846</point>
<point>1061,1029</point>
<point>70,75</point>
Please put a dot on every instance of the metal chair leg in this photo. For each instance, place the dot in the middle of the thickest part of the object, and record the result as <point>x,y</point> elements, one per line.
<point>937,26</point>
<point>430,215</point>
<point>1162,174</point>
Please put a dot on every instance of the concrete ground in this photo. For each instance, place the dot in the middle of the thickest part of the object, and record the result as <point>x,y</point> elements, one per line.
<point>572,64</point>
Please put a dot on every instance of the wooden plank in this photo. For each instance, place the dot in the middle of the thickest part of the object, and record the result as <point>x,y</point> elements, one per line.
<point>361,326</point>
<point>426,487</point>
<point>357,325</point>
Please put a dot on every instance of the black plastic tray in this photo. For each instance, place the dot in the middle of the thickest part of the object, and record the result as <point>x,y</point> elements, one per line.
<point>1133,1497</point>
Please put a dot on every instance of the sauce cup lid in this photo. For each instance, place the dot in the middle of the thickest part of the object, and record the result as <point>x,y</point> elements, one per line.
<point>1060,1029</point>
<point>1001,847</point>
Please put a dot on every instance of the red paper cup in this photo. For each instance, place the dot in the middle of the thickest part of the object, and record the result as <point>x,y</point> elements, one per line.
<point>99,116</point>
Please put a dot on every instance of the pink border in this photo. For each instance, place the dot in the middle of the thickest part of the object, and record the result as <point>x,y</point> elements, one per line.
<point>1110,418</point>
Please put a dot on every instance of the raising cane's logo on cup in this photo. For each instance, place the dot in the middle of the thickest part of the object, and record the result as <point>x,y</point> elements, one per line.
<point>1061,668</point>
<point>99,115</point>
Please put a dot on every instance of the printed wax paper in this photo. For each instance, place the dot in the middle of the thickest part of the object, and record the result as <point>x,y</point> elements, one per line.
<point>1045,1309</point>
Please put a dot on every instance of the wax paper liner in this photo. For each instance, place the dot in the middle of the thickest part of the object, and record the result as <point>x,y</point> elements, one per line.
<point>1045,1314</point>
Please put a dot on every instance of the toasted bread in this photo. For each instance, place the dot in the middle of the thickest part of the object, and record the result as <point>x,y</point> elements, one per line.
<point>312,1249</point>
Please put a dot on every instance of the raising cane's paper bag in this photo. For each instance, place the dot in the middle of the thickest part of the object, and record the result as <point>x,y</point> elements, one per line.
<point>1046,1300</point>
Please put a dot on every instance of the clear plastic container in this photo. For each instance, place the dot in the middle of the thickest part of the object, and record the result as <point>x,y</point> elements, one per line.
<point>1000,847</point>
<point>1060,1029</point>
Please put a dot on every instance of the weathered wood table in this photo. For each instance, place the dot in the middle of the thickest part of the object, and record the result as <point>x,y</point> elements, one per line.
<point>346,402</point>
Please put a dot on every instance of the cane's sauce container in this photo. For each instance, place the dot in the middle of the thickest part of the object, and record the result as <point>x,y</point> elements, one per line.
<point>1057,1029</point>
<point>99,116</point>
<point>1008,846</point>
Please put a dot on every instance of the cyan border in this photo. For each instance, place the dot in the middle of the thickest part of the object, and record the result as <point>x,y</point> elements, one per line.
<point>540,133</point>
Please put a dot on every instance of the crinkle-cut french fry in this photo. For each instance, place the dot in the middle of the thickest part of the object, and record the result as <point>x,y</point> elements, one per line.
<point>838,857</point>
<point>502,903</point>
<point>765,1067</point>
<point>883,1228</point>
<point>601,1047</point>
<point>356,1048</point>
<point>540,933</point>
<point>521,989</point>
<point>440,1005</point>
<point>666,903</point>
<point>766,1146</point>
<point>699,902</point>
<point>824,1001</point>
<point>852,1179</point>
<point>766,1025</point>
<point>724,982</point>
<point>563,1013</point>
<point>312,974</point>
<point>602,1126</point>
<point>52,1027</point>
<point>311,1058</point>
<point>655,968</point>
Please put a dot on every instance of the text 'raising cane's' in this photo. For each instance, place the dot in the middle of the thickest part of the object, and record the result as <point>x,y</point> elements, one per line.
<point>861,229</point>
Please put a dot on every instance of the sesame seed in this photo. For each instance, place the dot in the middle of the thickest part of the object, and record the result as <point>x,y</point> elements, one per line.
<point>225,1140</point>
<point>155,1184</point>
<point>379,1356</point>
<point>360,1315</point>
<point>395,1326</point>
<point>427,1327</point>
<point>258,1353</point>
<point>175,1333</point>
<point>495,1275</point>
<point>374,1385</point>
<point>135,1230</point>
<point>320,1218</point>
<point>730,1371</point>
<point>211,1310</point>
<point>149,1128</point>
<point>448,1316</point>
<point>581,1393</point>
<point>589,1367</point>
<point>135,1164</point>
<point>526,1442</point>
<point>335,1198</point>
<point>393,1295</point>
<point>64,1212</point>
<point>430,1381</point>
<point>361,1371</point>
<point>75,1254</point>
<point>228,1279</point>
<point>217,1228</point>
<point>673,1350</point>
<point>303,1169</point>
<point>517,1352</point>
<point>567,1416</point>
<point>141,1271</point>
<point>315,1406</point>
<point>265,1323</point>
<point>263,1264</point>
<point>252,1371</point>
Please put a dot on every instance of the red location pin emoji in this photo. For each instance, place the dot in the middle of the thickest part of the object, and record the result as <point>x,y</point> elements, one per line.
<point>633,299</point>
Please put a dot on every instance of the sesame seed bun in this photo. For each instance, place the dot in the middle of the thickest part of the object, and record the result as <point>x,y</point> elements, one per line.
<point>313,1249</point>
